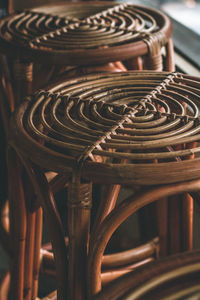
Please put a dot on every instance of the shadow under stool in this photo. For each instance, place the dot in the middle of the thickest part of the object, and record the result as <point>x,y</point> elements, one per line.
<point>139,129</point>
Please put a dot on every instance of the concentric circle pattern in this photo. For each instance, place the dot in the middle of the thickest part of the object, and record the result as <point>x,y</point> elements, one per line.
<point>83,26</point>
<point>129,118</point>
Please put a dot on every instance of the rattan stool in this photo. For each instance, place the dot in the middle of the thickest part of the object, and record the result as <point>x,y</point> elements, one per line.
<point>83,34</point>
<point>35,51</point>
<point>175,277</point>
<point>39,45</point>
<point>138,129</point>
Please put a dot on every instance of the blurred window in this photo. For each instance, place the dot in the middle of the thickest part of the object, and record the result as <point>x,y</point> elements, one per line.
<point>185,15</point>
<point>3,7</point>
<point>187,12</point>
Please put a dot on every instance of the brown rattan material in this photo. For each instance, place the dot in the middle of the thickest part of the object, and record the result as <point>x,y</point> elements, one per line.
<point>86,33</point>
<point>33,44</point>
<point>113,265</point>
<point>120,128</point>
<point>175,277</point>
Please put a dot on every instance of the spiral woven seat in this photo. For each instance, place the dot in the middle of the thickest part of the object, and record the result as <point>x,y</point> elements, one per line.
<point>76,33</point>
<point>93,123</point>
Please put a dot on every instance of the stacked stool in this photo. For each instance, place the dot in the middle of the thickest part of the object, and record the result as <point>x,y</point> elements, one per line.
<point>132,128</point>
<point>46,48</point>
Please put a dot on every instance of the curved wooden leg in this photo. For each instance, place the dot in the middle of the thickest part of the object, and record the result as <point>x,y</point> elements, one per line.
<point>54,224</point>
<point>29,255</point>
<point>170,63</point>
<point>107,203</point>
<point>38,240</point>
<point>174,224</point>
<point>187,221</point>
<point>134,63</point>
<point>79,211</point>
<point>119,215</point>
<point>18,225</point>
<point>162,225</point>
<point>187,212</point>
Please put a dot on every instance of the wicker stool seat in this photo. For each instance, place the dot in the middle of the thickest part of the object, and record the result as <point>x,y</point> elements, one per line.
<point>144,117</point>
<point>176,277</point>
<point>87,33</point>
<point>140,129</point>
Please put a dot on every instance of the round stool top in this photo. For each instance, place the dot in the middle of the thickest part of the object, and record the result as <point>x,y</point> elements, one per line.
<point>116,127</point>
<point>83,33</point>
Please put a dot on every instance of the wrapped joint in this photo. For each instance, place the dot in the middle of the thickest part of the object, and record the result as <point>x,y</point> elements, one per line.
<point>80,195</point>
<point>154,62</point>
<point>154,43</point>
<point>23,71</point>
